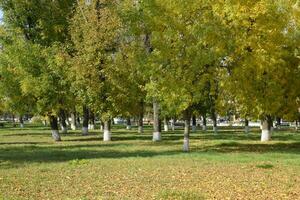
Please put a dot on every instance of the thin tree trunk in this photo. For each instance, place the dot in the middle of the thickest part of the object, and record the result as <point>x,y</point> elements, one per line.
<point>194,124</point>
<point>85,122</point>
<point>54,128</point>
<point>141,118</point>
<point>92,121</point>
<point>128,123</point>
<point>247,129</point>
<point>215,126</point>
<point>13,121</point>
<point>278,123</point>
<point>21,121</point>
<point>107,131</point>
<point>204,123</point>
<point>156,122</point>
<point>166,125</point>
<point>266,129</point>
<point>173,124</point>
<point>187,121</point>
<point>64,128</point>
<point>73,121</point>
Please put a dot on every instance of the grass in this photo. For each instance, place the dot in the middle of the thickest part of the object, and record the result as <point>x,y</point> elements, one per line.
<point>230,165</point>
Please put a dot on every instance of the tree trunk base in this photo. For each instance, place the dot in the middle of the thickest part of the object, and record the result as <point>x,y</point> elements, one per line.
<point>128,127</point>
<point>85,131</point>
<point>194,128</point>
<point>265,135</point>
<point>247,129</point>
<point>166,128</point>
<point>106,136</point>
<point>64,130</point>
<point>21,125</point>
<point>92,127</point>
<point>204,128</point>
<point>156,136</point>
<point>140,129</point>
<point>186,145</point>
<point>55,135</point>
<point>215,130</point>
<point>73,127</point>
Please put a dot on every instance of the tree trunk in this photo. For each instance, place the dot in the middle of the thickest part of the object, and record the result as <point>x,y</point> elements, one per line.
<point>128,123</point>
<point>187,121</point>
<point>92,121</point>
<point>13,121</point>
<point>107,131</point>
<point>204,123</point>
<point>21,121</point>
<point>54,128</point>
<point>85,122</point>
<point>141,118</point>
<point>166,125</point>
<point>78,120</point>
<point>266,129</point>
<point>194,124</point>
<point>247,128</point>
<point>215,126</point>
<point>278,123</point>
<point>156,122</point>
<point>73,121</point>
<point>64,128</point>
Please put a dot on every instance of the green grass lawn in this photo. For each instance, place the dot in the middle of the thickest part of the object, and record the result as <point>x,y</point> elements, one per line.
<point>230,165</point>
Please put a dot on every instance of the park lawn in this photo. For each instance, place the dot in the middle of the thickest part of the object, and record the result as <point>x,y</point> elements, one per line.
<point>230,165</point>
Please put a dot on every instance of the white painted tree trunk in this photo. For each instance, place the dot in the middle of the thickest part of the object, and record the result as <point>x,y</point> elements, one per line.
<point>92,126</point>
<point>156,122</point>
<point>265,131</point>
<point>101,127</point>
<point>186,139</point>
<point>106,132</point>
<point>85,131</point>
<point>21,125</point>
<point>73,126</point>
<point>166,128</point>
<point>55,135</point>
<point>173,125</point>
<point>156,136</point>
<point>128,127</point>
<point>140,129</point>
<point>204,128</point>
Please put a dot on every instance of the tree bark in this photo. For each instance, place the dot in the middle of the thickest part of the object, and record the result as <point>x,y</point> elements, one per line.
<point>173,124</point>
<point>92,121</point>
<point>247,128</point>
<point>204,123</point>
<point>187,121</point>
<point>107,131</point>
<point>141,118</point>
<point>128,123</point>
<point>85,122</point>
<point>266,130</point>
<point>64,127</point>
<point>194,124</point>
<point>156,122</point>
<point>54,128</point>
<point>278,123</point>
<point>215,126</point>
<point>21,121</point>
<point>166,125</point>
<point>73,121</point>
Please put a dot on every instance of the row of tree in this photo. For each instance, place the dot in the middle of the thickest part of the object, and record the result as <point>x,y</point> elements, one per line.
<point>110,58</point>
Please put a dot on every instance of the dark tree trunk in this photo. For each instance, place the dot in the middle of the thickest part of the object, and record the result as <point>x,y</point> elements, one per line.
<point>204,125</point>
<point>85,122</point>
<point>92,120</point>
<point>215,125</point>
<point>21,121</point>
<point>54,128</point>
<point>246,125</point>
<point>128,123</point>
<point>63,118</point>
<point>194,123</point>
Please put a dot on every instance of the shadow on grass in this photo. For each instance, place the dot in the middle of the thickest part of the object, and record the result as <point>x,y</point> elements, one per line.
<point>235,147</point>
<point>62,154</point>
